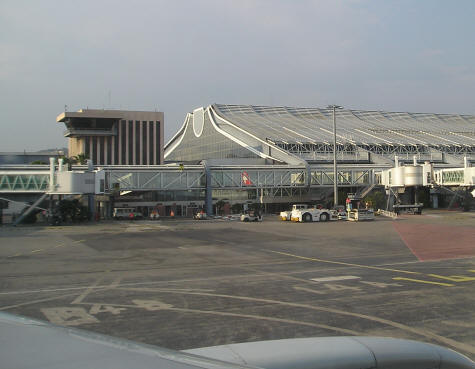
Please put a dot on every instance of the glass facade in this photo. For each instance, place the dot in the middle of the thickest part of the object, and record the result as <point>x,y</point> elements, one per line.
<point>209,145</point>
<point>345,177</point>
<point>455,176</point>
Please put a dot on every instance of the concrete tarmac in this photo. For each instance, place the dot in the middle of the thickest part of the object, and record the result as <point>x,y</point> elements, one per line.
<point>184,284</point>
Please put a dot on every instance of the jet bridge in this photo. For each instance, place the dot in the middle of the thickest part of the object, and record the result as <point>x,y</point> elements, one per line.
<point>402,176</point>
<point>396,180</point>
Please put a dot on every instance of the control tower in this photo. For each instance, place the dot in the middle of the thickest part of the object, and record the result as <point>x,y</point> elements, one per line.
<point>115,137</point>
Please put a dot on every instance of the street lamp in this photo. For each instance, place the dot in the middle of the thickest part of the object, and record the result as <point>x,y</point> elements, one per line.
<point>335,173</point>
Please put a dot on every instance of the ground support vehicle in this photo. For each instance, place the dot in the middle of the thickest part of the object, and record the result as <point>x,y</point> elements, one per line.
<point>285,215</point>
<point>357,210</point>
<point>314,215</point>
<point>411,209</point>
<point>201,215</point>
<point>251,216</point>
<point>126,213</point>
<point>341,210</point>
<point>154,215</point>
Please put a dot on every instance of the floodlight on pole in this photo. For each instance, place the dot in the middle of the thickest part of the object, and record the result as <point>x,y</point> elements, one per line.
<point>335,173</point>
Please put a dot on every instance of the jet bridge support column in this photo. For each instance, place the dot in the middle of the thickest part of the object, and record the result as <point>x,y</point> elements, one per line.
<point>91,201</point>
<point>208,189</point>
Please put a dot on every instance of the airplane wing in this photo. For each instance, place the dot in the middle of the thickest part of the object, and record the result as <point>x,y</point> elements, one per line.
<point>27,343</point>
<point>356,352</point>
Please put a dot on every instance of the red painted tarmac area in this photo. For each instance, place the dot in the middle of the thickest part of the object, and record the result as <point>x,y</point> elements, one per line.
<point>437,242</point>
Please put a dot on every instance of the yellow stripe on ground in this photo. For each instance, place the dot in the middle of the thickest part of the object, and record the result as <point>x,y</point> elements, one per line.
<point>453,278</point>
<point>342,263</point>
<point>39,250</point>
<point>422,281</point>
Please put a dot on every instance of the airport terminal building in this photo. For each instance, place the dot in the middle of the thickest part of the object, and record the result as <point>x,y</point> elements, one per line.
<point>243,154</point>
<point>304,136</point>
<point>279,155</point>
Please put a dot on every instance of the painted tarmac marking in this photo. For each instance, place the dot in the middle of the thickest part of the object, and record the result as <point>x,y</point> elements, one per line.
<point>340,287</point>
<point>71,316</point>
<point>421,332</point>
<point>83,295</point>
<point>422,281</point>
<point>280,275</point>
<point>152,305</point>
<point>343,263</point>
<point>116,282</point>
<point>14,256</point>
<point>271,319</point>
<point>100,287</point>
<point>429,242</point>
<point>309,290</point>
<point>336,278</point>
<point>37,250</point>
<point>453,278</point>
<point>37,301</point>
<point>381,284</point>
<point>247,316</point>
<point>98,308</point>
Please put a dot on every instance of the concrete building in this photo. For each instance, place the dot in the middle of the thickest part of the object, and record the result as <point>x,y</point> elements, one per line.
<point>115,137</point>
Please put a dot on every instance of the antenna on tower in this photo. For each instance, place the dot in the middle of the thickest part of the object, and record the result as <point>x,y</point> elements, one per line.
<point>65,108</point>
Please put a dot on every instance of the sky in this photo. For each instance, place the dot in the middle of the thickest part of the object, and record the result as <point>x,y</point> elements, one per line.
<point>178,55</point>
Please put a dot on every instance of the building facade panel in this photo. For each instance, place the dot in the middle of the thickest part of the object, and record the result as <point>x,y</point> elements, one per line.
<point>116,137</point>
<point>209,145</point>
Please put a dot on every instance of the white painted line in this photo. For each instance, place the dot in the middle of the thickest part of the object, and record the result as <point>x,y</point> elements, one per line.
<point>83,295</point>
<point>336,278</point>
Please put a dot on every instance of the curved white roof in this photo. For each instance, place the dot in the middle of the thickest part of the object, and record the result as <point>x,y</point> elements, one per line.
<point>313,125</point>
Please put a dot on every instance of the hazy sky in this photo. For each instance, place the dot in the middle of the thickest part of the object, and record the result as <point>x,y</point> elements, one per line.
<point>404,55</point>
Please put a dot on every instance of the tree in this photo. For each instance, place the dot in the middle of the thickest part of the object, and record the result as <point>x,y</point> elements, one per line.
<point>81,158</point>
<point>72,210</point>
<point>67,160</point>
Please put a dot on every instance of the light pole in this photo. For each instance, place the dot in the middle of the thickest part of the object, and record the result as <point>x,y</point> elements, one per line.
<point>335,173</point>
